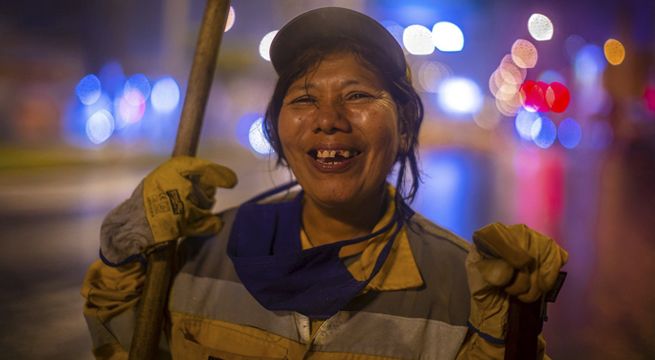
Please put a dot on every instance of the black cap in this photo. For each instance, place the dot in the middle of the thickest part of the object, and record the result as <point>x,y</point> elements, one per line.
<point>331,23</point>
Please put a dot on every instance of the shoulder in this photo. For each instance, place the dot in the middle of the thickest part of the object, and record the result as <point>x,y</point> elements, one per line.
<point>432,237</point>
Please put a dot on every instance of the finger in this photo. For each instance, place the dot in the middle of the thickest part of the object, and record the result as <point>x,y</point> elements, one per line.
<point>551,266</point>
<point>533,293</point>
<point>218,176</point>
<point>202,197</point>
<point>497,240</point>
<point>520,285</point>
<point>203,227</point>
<point>496,272</point>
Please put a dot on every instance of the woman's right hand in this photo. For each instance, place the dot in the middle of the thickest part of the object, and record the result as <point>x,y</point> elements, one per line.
<point>172,201</point>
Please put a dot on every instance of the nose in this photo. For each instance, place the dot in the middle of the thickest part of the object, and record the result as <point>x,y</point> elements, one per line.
<point>331,118</point>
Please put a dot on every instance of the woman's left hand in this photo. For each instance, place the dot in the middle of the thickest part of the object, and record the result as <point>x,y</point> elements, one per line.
<point>508,260</point>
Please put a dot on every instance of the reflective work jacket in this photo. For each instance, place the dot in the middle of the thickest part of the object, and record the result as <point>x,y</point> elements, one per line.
<point>211,315</point>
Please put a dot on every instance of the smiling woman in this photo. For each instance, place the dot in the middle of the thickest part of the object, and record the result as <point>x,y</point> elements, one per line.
<point>341,269</point>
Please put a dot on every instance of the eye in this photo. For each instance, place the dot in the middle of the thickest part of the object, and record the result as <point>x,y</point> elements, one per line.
<point>305,99</point>
<point>358,95</point>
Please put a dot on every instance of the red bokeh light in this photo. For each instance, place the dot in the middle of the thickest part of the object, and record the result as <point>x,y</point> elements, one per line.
<point>557,97</point>
<point>649,98</point>
<point>542,97</point>
<point>533,95</point>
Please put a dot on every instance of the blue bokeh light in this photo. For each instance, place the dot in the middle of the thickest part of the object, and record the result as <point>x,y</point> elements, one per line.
<point>88,90</point>
<point>140,83</point>
<point>569,133</point>
<point>543,132</point>
<point>112,78</point>
<point>165,95</point>
<point>589,64</point>
<point>523,123</point>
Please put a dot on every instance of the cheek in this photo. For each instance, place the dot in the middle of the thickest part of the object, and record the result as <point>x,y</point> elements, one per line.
<point>290,133</point>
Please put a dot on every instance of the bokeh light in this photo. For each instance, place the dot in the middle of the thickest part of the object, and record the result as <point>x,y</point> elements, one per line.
<point>430,74</point>
<point>569,133</point>
<point>523,123</point>
<point>601,135</point>
<point>573,44</point>
<point>589,64</point>
<point>165,95</point>
<point>417,39</point>
<point>99,126</point>
<point>543,132</point>
<point>447,37</point>
<point>649,97</point>
<point>540,27</point>
<point>231,17</point>
<point>557,97</point>
<point>524,54</point>
<point>257,139</point>
<point>129,108</point>
<point>614,51</point>
<point>112,78</point>
<point>458,96</point>
<point>137,83</point>
<point>533,95</point>
<point>88,90</point>
<point>550,76</point>
<point>265,45</point>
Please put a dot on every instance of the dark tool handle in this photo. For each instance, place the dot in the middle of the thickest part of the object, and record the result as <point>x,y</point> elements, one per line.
<point>523,328</point>
<point>160,262</point>
<point>525,322</point>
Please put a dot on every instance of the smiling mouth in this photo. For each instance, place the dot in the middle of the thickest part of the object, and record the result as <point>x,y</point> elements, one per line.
<point>332,156</point>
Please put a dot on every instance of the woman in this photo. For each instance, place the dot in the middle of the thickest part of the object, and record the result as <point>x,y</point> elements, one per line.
<point>343,268</point>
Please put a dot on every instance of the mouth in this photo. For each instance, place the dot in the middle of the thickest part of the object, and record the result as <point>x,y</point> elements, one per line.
<point>333,156</point>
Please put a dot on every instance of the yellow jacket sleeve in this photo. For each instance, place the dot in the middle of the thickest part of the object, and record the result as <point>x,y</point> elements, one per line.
<point>111,294</point>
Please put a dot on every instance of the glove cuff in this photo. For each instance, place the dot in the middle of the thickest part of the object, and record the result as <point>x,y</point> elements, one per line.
<point>125,231</point>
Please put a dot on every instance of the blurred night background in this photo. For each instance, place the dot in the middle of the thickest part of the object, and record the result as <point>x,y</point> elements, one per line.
<point>538,112</point>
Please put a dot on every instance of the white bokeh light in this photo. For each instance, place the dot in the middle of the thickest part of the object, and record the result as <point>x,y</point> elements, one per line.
<point>417,39</point>
<point>447,37</point>
<point>540,27</point>
<point>257,139</point>
<point>230,19</point>
<point>459,96</point>
<point>99,126</point>
<point>165,95</point>
<point>265,45</point>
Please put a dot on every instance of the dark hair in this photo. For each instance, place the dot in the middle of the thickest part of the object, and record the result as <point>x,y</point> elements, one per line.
<point>396,82</point>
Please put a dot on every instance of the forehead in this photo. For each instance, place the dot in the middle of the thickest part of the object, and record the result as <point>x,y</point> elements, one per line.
<point>339,68</point>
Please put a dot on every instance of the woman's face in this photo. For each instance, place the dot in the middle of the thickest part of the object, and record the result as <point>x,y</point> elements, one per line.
<point>338,128</point>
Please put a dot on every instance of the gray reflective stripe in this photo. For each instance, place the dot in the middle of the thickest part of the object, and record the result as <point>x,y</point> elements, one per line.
<point>100,334</point>
<point>227,301</point>
<point>390,336</point>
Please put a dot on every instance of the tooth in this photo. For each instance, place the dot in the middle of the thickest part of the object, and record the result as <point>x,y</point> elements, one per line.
<point>333,153</point>
<point>345,153</point>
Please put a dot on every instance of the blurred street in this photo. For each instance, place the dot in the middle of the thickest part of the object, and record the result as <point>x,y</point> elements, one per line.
<point>49,224</point>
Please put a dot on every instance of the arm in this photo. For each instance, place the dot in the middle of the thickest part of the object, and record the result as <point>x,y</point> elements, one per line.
<point>174,200</point>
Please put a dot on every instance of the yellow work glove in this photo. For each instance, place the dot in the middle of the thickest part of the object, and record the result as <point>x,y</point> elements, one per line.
<point>172,201</point>
<point>506,260</point>
<point>179,194</point>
